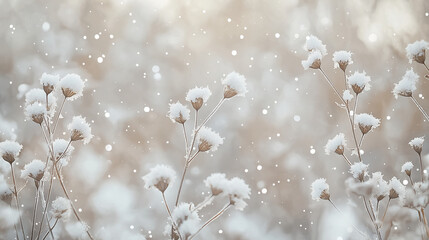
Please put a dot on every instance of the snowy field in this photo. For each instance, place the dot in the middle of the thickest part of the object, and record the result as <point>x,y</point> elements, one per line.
<point>230,119</point>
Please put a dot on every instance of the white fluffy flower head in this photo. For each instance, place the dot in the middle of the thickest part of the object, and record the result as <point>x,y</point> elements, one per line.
<point>35,112</point>
<point>61,208</point>
<point>217,183</point>
<point>72,86</point>
<point>336,145</point>
<point>178,113</point>
<point>234,84</point>
<point>359,170</point>
<point>417,51</point>
<point>198,96</point>
<point>380,186</point>
<point>314,60</point>
<point>347,96</point>
<point>359,81</point>
<point>342,59</point>
<point>186,219</point>
<point>407,85</point>
<point>396,188</point>
<point>80,130</point>
<point>62,150</point>
<point>315,44</point>
<point>407,167</point>
<point>238,190</point>
<point>35,170</point>
<point>417,144</point>
<point>320,189</point>
<point>208,140</point>
<point>9,150</point>
<point>160,176</point>
<point>49,82</point>
<point>366,122</point>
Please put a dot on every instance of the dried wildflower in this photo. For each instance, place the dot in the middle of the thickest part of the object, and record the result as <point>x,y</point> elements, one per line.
<point>336,144</point>
<point>407,167</point>
<point>178,113</point>
<point>359,81</point>
<point>49,82</point>
<point>347,96</point>
<point>36,112</point>
<point>380,186</point>
<point>61,208</point>
<point>234,84</point>
<point>35,170</point>
<point>407,85</point>
<point>366,122</point>
<point>320,190</point>
<point>238,190</point>
<point>417,51</point>
<point>417,144</point>
<point>342,59</point>
<point>198,96</point>
<point>72,86</point>
<point>160,176</point>
<point>314,60</point>
<point>10,150</point>
<point>359,170</point>
<point>217,183</point>
<point>37,95</point>
<point>208,140</point>
<point>315,44</point>
<point>80,130</point>
<point>62,151</point>
<point>186,219</point>
<point>396,188</point>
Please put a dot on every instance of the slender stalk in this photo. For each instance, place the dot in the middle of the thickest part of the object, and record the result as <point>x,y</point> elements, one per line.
<point>215,109</point>
<point>58,117</point>
<point>353,127</point>
<point>377,230</point>
<point>203,203</point>
<point>50,229</point>
<point>361,140</point>
<point>173,224</point>
<point>45,209</point>
<point>367,209</point>
<point>211,220</point>
<point>194,137</point>
<point>36,201</point>
<point>186,139</point>
<point>347,160</point>
<point>193,157</point>
<point>385,211</point>
<point>68,197</point>
<point>17,201</point>
<point>181,183</point>
<point>420,108</point>
<point>357,229</point>
<point>426,66</point>
<point>345,80</point>
<point>421,166</point>
<point>411,181</point>
<point>16,231</point>
<point>332,86</point>
<point>425,221</point>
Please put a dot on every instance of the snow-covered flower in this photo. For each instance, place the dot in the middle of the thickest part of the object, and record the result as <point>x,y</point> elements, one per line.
<point>62,150</point>
<point>6,193</point>
<point>417,144</point>
<point>342,59</point>
<point>178,112</point>
<point>208,140</point>
<point>359,170</point>
<point>36,112</point>
<point>35,170</point>
<point>314,60</point>
<point>380,186</point>
<point>37,95</point>
<point>61,208</point>
<point>417,51</point>
<point>49,82</point>
<point>186,219</point>
<point>217,183</point>
<point>320,189</point>
<point>359,81</point>
<point>315,44</point>
<point>366,122</point>
<point>407,85</point>
<point>238,190</point>
<point>198,96</point>
<point>336,144</point>
<point>160,176</point>
<point>10,150</point>
<point>396,188</point>
<point>80,130</point>
<point>234,84</point>
<point>347,96</point>
<point>407,167</point>
<point>72,86</point>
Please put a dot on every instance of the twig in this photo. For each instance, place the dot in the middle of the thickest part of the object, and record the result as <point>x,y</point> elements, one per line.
<point>215,109</point>
<point>17,201</point>
<point>50,229</point>
<point>36,201</point>
<point>201,205</point>
<point>347,160</point>
<point>58,117</point>
<point>385,211</point>
<point>421,166</point>
<point>173,224</point>
<point>357,229</point>
<point>420,108</point>
<point>211,220</point>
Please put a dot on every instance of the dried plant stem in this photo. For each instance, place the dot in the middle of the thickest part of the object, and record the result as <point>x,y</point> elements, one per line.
<point>68,197</point>
<point>332,86</point>
<point>357,229</point>
<point>203,203</point>
<point>16,231</point>
<point>361,140</point>
<point>215,109</point>
<point>420,108</point>
<point>411,181</point>
<point>17,201</point>
<point>347,160</point>
<point>426,66</point>
<point>45,209</point>
<point>211,220</point>
<point>173,224</point>
<point>50,229</point>
<point>188,162</point>
<point>352,119</point>
<point>425,222</point>
<point>385,211</point>
<point>58,117</point>
<point>421,166</point>
<point>186,139</point>
<point>345,80</point>
<point>373,218</point>
<point>36,201</point>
